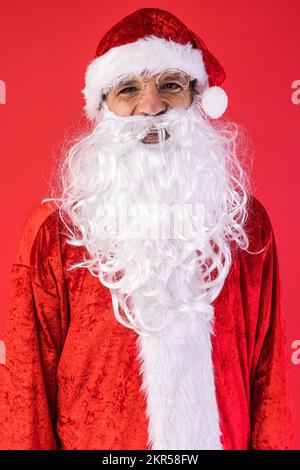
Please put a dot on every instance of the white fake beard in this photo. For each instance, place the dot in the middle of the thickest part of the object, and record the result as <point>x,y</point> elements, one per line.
<point>153,282</point>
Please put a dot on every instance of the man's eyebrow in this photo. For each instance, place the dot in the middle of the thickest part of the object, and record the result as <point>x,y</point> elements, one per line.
<point>172,75</point>
<point>123,78</point>
<point>128,80</point>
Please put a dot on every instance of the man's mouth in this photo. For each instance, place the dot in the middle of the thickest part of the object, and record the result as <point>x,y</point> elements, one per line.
<point>153,137</point>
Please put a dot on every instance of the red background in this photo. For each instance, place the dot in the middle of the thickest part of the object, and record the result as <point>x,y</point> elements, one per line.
<point>44,50</point>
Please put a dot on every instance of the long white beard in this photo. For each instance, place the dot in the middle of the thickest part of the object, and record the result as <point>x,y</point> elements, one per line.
<point>154,282</point>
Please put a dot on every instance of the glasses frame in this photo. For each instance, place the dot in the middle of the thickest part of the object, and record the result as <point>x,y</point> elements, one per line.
<point>190,79</point>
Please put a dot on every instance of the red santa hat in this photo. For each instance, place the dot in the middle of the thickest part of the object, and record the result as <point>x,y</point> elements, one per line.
<point>154,40</point>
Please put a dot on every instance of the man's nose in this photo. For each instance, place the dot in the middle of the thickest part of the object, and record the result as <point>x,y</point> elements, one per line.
<point>151,102</point>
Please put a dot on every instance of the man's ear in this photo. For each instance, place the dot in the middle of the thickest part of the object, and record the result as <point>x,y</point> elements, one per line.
<point>103,98</point>
<point>194,87</point>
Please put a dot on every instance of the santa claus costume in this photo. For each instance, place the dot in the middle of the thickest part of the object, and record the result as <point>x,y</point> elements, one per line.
<point>85,368</point>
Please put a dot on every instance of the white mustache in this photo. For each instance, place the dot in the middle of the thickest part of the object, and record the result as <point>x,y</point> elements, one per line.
<point>136,127</point>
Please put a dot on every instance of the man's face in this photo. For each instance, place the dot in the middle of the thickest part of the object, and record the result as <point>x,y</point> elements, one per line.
<point>150,95</point>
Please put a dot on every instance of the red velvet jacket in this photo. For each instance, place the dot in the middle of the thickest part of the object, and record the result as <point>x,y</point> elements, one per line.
<point>71,378</point>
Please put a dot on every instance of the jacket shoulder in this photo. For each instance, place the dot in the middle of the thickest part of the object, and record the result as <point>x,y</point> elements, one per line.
<point>33,223</point>
<point>258,225</point>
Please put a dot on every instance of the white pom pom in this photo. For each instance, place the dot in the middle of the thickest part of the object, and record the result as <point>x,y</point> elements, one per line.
<point>214,101</point>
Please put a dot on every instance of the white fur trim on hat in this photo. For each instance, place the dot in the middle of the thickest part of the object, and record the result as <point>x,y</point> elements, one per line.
<point>150,53</point>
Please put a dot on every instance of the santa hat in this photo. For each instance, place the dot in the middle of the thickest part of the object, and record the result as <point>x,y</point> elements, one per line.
<point>154,40</point>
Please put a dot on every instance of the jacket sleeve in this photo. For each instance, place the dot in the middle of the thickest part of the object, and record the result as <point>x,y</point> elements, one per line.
<point>33,341</point>
<point>271,416</point>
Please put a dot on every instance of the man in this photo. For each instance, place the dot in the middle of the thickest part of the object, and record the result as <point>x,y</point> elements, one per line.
<point>126,330</point>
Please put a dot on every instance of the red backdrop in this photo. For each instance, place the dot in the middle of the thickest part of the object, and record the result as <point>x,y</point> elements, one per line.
<point>44,50</point>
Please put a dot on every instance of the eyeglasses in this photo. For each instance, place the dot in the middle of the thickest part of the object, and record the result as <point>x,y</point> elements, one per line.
<point>130,88</point>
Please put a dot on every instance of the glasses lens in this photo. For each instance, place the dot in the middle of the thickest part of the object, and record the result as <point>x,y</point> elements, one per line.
<point>127,90</point>
<point>173,82</point>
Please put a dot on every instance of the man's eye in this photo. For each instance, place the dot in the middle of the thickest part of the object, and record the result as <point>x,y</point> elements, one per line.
<point>127,90</point>
<point>171,85</point>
